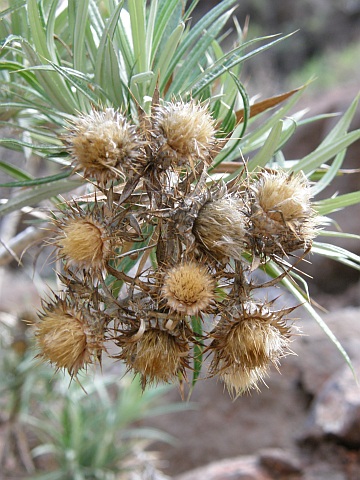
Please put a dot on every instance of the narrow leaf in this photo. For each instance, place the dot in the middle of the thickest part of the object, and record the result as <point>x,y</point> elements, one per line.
<point>32,197</point>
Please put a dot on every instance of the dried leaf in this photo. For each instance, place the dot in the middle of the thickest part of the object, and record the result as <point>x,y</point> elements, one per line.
<point>264,105</point>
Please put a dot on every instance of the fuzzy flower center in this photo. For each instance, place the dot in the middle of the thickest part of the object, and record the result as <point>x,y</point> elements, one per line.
<point>82,242</point>
<point>188,288</point>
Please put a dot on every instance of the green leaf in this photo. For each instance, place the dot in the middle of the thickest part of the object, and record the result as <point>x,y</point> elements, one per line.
<point>198,350</point>
<point>138,31</point>
<point>33,196</point>
<point>268,150</point>
<point>189,68</point>
<point>81,20</point>
<point>230,60</point>
<point>163,62</point>
<point>15,172</point>
<point>106,60</point>
<point>37,181</point>
<point>330,174</point>
<point>196,32</point>
<point>342,126</point>
<point>324,153</point>
<point>337,253</point>
<point>19,145</point>
<point>166,18</point>
<point>15,5</point>
<point>329,205</point>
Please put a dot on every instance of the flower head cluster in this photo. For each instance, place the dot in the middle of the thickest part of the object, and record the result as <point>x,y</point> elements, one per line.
<point>200,239</point>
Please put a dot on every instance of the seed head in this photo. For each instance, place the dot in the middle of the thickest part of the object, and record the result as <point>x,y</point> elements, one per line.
<point>157,355</point>
<point>184,132</point>
<point>188,288</point>
<point>83,239</point>
<point>220,227</point>
<point>68,337</point>
<point>246,340</point>
<point>282,219</point>
<point>103,145</point>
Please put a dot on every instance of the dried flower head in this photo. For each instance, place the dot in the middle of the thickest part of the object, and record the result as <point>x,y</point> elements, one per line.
<point>68,337</point>
<point>158,355</point>
<point>282,219</point>
<point>185,132</point>
<point>220,227</point>
<point>246,340</point>
<point>103,145</point>
<point>188,288</point>
<point>83,238</point>
<point>241,380</point>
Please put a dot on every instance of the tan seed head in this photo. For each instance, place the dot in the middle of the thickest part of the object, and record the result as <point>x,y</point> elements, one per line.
<point>188,288</point>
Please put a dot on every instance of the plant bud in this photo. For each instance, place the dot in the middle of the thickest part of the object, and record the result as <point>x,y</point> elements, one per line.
<point>83,240</point>
<point>185,132</point>
<point>281,217</point>
<point>68,337</point>
<point>245,341</point>
<point>158,356</point>
<point>103,145</point>
<point>220,228</point>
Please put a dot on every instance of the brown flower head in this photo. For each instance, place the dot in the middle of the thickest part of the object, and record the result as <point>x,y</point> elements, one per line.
<point>246,340</point>
<point>281,216</point>
<point>157,355</point>
<point>188,288</point>
<point>83,238</point>
<point>68,337</point>
<point>220,227</point>
<point>185,133</point>
<point>103,145</point>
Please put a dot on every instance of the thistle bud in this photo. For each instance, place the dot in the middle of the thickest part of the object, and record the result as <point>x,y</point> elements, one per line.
<point>68,337</point>
<point>281,218</point>
<point>245,341</point>
<point>220,227</point>
<point>158,355</point>
<point>188,288</point>
<point>83,240</point>
<point>184,132</point>
<point>103,145</point>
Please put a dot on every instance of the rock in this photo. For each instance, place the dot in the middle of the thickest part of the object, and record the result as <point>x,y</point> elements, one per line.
<point>279,463</point>
<point>335,413</point>
<point>318,357</point>
<point>241,468</point>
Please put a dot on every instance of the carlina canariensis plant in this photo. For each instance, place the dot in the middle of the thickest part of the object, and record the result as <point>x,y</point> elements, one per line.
<point>185,198</point>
